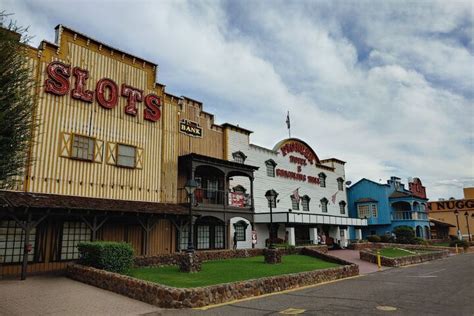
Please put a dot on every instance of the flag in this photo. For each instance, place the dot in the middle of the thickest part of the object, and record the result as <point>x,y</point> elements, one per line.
<point>296,195</point>
<point>333,198</point>
<point>288,120</point>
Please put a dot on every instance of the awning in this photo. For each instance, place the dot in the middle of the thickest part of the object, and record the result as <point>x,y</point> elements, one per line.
<point>441,223</point>
<point>68,202</point>
<point>305,218</point>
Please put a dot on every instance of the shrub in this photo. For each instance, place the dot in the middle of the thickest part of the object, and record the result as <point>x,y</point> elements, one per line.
<point>106,255</point>
<point>460,243</point>
<point>386,238</point>
<point>373,238</point>
<point>420,241</point>
<point>405,235</point>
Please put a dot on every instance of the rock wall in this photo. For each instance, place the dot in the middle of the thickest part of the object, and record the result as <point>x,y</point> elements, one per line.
<point>169,297</point>
<point>371,256</point>
<point>380,245</point>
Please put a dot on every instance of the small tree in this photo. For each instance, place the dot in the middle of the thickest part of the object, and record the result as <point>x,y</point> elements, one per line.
<point>404,234</point>
<point>16,100</point>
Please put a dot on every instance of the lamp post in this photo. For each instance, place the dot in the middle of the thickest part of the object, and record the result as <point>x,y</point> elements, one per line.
<point>467,223</point>
<point>271,196</point>
<point>457,223</point>
<point>190,187</point>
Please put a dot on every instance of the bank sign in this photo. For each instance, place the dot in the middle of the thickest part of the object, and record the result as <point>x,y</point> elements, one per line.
<point>106,92</point>
<point>190,128</point>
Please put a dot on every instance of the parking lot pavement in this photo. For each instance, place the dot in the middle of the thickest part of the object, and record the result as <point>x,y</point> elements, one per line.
<point>441,287</point>
<point>56,295</point>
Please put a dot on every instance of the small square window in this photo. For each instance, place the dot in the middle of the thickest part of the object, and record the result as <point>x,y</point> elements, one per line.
<point>126,156</point>
<point>82,147</point>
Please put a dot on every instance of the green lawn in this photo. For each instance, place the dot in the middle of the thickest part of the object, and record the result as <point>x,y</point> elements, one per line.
<point>441,244</point>
<point>396,252</point>
<point>231,270</point>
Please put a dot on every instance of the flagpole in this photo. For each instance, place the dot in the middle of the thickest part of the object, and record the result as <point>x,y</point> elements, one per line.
<point>288,124</point>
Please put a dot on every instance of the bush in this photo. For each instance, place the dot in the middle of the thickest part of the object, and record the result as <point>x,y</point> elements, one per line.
<point>420,241</point>
<point>386,238</point>
<point>460,243</point>
<point>373,238</point>
<point>106,255</point>
<point>405,235</point>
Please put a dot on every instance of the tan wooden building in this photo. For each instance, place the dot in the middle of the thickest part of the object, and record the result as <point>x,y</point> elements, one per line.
<point>453,217</point>
<point>109,159</point>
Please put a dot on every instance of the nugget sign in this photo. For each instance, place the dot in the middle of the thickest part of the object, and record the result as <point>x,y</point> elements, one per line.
<point>106,91</point>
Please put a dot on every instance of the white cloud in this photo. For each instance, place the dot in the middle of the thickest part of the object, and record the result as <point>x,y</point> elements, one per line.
<point>385,86</point>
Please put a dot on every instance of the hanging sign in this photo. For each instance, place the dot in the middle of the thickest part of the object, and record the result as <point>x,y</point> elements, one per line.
<point>190,128</point>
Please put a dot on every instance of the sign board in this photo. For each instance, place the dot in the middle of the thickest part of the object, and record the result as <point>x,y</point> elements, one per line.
<point>190,128</point>
<point>237,199</point>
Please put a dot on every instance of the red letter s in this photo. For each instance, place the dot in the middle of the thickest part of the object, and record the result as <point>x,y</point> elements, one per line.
<point>58,81</point>
<point>152,111</point>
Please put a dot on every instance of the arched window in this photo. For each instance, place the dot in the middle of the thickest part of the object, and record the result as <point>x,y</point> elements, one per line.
<point>239,157</point>
<point>340,184</point>
<point>322,180</point>
<point>240,228</point>
<point>240,189</point>
<point>342,207</point>
<point>324,205</point>
<point>295,203</point>
<point>270,165</point>
<point>305,203</point>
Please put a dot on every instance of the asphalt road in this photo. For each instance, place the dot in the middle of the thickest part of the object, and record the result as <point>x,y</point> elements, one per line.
<point>442,287</point>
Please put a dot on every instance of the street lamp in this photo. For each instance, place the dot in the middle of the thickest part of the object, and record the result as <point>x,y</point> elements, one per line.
<point>457,223</point>
<point>271,196</point>
<point>190,187</point>
<point>467,223</point>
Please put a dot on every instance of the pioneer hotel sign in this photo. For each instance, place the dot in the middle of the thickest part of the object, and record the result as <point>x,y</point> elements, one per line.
<point>309,157</point>
<point>106,91</point>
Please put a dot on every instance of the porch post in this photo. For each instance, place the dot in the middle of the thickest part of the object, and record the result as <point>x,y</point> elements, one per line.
<point>226,194</point>
<point>24,265</point>
<point>313,234</point>
<point>251,194</point>
<point>291,236</point>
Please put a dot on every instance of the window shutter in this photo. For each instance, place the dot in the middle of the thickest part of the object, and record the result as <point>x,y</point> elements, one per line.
<point>98,151</point>
<point>139,158</point>
<point>111,157</point>
<point>65,144</point>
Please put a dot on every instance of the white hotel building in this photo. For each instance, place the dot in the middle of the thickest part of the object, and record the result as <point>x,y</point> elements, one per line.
<point>293,167</point>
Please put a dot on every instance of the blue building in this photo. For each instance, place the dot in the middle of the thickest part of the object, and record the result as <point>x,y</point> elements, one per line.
<point>389,205</point>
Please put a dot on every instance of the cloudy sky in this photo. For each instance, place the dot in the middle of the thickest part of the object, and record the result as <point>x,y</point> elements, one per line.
<point>387,86</point>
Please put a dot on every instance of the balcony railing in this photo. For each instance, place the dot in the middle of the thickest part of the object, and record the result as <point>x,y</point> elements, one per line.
<point>409,215</point>
<point>216,198</point>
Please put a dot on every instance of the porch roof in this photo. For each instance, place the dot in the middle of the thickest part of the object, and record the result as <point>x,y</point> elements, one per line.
<point>438,222</point>
<point>68,202</point>
<point>217,161</point>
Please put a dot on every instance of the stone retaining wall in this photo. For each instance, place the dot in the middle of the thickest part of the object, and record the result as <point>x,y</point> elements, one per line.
<point>175,258</point>
<point>380,245</point>
<point>170,297</point>
<point>371,256</point>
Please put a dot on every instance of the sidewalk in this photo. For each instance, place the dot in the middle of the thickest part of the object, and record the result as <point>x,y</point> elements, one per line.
<point>353,256</point>
<point>57,295</point>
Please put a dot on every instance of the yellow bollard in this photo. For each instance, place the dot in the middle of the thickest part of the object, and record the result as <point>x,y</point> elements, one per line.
<point>457,250</point>
<point>379,260</point>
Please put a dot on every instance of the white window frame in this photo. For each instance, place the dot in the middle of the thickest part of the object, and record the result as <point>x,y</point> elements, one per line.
<point>82,147</point>
<point>119,155</point>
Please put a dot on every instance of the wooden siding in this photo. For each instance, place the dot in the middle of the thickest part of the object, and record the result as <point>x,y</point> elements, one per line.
<point>211,144</point>
<point>51,173</point>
